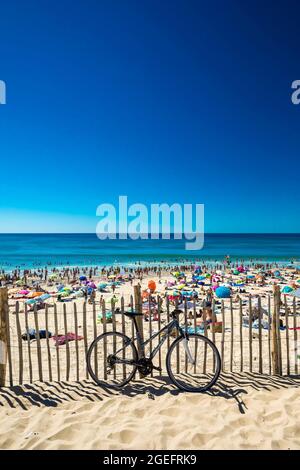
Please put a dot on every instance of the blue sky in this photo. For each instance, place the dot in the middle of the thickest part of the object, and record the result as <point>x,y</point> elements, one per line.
<point>162,101</point>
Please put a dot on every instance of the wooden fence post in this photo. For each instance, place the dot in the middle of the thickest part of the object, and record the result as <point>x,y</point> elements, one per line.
<point>139,319</point>
<point>3,334</point>
<point>275,331</point>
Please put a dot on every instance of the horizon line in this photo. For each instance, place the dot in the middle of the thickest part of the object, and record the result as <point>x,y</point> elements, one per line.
<point>149,233</point>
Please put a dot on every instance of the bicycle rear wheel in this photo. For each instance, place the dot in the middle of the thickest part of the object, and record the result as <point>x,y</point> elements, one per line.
<point>111,360</point>
<point>193,364</point>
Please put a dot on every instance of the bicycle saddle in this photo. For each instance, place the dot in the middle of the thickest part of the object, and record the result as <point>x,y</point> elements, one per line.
<point>133,314</point>
<point>176,312</point>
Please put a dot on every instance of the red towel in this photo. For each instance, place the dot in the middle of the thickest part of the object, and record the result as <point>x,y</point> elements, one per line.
<point>62,339</point>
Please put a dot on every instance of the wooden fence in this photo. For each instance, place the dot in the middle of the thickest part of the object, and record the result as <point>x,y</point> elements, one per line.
<point>267,346</point>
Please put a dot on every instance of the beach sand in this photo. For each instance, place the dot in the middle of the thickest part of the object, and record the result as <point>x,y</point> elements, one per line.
<point>243,411</point>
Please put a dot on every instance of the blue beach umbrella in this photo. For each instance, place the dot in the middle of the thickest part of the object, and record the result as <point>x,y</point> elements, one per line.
<point>223,292</point>
<point>287,289</point>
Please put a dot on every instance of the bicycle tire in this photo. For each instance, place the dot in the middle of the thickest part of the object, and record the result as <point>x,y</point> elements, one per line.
<point>217,364</point>
<point>103,383</point>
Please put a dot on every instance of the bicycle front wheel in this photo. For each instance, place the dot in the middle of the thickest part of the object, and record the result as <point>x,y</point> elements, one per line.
<point>111,360</point>
<point>193,363</point>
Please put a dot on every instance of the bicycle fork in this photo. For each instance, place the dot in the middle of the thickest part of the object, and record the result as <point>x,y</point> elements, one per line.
<point>187,350</point>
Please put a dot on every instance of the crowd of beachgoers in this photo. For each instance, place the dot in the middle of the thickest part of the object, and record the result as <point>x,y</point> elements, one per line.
<point>191,282</point>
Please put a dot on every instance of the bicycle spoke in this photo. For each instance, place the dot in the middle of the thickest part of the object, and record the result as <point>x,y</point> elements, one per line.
<point>191,363</point>
<point>118,356</point>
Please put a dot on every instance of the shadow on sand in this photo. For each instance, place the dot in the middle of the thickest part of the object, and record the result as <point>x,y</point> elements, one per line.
<point>52,394</point>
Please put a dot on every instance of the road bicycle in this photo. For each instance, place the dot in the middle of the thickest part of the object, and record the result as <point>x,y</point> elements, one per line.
<point>193,362</point>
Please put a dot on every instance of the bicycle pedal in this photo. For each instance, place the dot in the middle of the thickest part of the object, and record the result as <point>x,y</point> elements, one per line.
<point>157,368</point>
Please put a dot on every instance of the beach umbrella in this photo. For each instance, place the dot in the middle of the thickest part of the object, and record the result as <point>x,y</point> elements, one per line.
<point>223,292</point>
<point>102,285</point>
<point>152,285</point>
<point>92,285</point>
<point>277,273</point>
<point>287,289</point>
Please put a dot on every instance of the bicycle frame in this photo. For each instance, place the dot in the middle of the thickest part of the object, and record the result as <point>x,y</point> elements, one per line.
<point>173,324</point>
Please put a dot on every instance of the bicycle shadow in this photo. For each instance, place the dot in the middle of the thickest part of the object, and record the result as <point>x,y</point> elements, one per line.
<point>159,386</point>
<point>230,386</point>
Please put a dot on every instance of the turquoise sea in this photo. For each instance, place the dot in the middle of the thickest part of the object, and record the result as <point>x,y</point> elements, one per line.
<point>39,250</point>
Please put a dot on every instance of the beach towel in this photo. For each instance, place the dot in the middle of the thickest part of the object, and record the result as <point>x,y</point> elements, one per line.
<point>62,339</point>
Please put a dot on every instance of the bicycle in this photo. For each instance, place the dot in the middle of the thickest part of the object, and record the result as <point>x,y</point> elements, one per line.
<point>121,359</point>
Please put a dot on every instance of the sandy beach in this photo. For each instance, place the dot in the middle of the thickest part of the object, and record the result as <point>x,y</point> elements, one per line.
<point>242,411</point>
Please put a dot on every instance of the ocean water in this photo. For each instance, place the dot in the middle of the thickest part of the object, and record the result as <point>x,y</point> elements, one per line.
<point>34,250</point>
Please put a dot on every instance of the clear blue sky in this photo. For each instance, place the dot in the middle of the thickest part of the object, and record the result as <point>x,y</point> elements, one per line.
<point>163,101</point>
